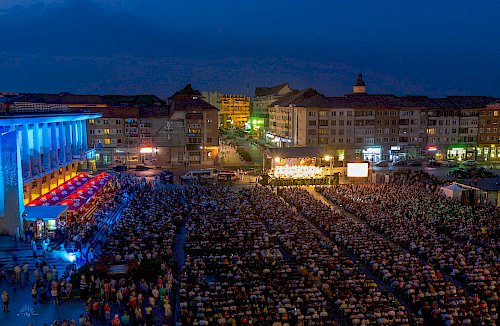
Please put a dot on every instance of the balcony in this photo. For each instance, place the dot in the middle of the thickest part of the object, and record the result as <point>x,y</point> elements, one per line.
<point>194,147</point>
<point>194,116</point>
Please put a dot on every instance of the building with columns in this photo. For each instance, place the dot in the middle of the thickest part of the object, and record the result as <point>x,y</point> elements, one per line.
<point>38,152</point>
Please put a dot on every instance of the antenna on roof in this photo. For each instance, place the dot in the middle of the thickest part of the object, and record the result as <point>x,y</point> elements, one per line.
<point>248,90</point>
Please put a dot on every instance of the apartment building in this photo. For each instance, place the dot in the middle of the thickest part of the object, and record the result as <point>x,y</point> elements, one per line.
<point>234,111</point>
<point>488,139</point>
<point>200,126</point>
<point>140,128</point>
<point>383,127</point>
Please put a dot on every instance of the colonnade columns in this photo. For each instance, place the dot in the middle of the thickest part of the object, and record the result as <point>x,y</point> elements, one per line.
<point>62,142</point>
<point>69,151</point>
<point>25,154</point>
<point>55,156</point>
<point>37,147</point>
<point>74,143</point>
<point>83,129</point>
<point>46,162</point>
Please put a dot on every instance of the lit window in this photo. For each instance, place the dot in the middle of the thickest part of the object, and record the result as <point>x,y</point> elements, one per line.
<point>107,141</point>
<point>106,131</point>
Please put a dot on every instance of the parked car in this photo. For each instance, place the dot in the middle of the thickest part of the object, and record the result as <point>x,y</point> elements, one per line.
<point>400,163</point>
<point>199,175</point>
<point>141,167</point>
<point>469,163</point>
<point>434,164</point>
<point>120,168</point>
<point>414,163</point>
<point>227,176</point>
<point>382,164</point>
<point>449,163</point>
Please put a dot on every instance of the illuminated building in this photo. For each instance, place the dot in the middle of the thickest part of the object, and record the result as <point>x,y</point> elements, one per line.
<point>200,125</point>
<point>263,99</point>
<point>234,111</point>
<point>38,151</point>
<point>384,127</point>
<point>489,133</point>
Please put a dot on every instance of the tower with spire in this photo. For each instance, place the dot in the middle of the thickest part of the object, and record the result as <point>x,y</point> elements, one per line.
<point>359,86</point>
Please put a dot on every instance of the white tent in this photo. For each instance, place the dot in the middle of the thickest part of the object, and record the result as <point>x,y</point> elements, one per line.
<point>453,191</point>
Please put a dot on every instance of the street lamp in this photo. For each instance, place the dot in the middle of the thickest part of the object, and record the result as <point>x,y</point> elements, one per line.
<point>277,160</point>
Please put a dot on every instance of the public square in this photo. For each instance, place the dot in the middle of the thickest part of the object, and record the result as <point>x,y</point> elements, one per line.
<point>216,254</point>
<point>234,163</point>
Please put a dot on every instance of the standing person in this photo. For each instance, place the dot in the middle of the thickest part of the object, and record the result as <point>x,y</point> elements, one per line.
<point>90,255</point>
<point>55,294</point>
<point>34,248</point>
<point>107,312</point>
<point>83,287</point>
<point>5,301</point>
<point>17,272</point>
<point>115,321</point>
<point>25,272</point>
<point>81,321</point>
<point>33,293</point>
<point>37,274</point>
<point>55,273</point>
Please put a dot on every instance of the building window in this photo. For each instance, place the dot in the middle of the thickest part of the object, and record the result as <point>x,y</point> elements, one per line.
<point>209,140</point>
<point>312,122</point>
<point>106,131</point>
<point>91,121</point>
<point>107,141</point>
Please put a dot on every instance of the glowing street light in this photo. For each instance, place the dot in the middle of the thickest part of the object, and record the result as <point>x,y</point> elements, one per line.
<point>327,158</point>
<point>277,160</point>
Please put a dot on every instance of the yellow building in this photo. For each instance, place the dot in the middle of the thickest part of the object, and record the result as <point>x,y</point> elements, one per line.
<point>234,111</point>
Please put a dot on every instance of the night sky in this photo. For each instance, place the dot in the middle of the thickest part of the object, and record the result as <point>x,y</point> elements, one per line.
<point>435,48</point>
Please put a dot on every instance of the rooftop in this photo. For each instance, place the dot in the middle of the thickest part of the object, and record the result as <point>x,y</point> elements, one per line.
<point>289,152</point>
<point>265,91</point>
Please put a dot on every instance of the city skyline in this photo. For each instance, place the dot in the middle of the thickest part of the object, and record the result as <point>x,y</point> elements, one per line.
<point>84,46</point>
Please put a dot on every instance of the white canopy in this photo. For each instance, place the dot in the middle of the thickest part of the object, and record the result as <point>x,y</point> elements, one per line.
<point>453,191</point>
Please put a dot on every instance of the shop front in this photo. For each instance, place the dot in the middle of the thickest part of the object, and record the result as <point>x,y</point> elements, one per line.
<point>488,152</point>
<point>461,153</point>
<point>372,154</point>
<point>43,221</point>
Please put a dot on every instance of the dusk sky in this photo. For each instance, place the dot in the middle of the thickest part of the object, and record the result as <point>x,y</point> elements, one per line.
<point>424,47</point>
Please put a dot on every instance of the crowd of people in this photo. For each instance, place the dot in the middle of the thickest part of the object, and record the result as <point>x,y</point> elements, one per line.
<point>144,235</point>
<point>236,271</point>
<point>392,254</point>
<point>443,257</point>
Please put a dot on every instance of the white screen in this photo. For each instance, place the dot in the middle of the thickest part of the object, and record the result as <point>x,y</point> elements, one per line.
<point>357,170</point>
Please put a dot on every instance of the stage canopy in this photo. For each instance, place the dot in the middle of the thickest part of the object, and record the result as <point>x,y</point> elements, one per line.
<point>453,191</point>
<point>33,213</point>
